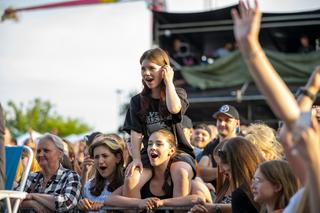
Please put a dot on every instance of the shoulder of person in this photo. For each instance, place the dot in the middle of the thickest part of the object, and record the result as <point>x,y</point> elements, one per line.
<point>71,174</point>
<point>211,145</point>
<point>135,98</point>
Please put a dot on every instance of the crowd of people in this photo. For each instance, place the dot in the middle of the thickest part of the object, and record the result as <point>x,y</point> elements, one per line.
<point>167,161</point>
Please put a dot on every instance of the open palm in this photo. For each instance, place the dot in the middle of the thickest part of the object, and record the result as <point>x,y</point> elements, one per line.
<point>247,21</point>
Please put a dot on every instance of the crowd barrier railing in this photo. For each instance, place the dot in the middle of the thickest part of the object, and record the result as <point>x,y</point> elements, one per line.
<point>166,209</point>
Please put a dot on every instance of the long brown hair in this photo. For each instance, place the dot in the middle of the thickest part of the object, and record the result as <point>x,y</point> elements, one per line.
<point>243,158</point>
<point>279,172</point>
<point>167,185</point>
<point>115,148</point>
<point>223,183</point>
<point>161,58</point>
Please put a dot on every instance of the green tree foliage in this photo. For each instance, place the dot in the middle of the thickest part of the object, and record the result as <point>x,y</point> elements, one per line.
<point>40,116</point>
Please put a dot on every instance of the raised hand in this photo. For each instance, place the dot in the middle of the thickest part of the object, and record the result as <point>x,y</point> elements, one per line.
<point>87,163</point>
<point>247,22</point>
<point>167,74</point>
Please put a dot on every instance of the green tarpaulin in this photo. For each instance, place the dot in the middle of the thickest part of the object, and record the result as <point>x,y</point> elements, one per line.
<point>231,70</point>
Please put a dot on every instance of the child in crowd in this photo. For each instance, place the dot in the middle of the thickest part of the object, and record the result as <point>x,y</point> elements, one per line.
<point>273,185</point>
<point>107,153</point>
<point>159,105</point>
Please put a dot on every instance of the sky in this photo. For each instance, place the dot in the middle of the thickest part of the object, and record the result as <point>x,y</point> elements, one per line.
<point>85,60</point>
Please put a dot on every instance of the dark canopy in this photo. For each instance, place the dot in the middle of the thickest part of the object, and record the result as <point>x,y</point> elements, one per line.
<point>207,30</point>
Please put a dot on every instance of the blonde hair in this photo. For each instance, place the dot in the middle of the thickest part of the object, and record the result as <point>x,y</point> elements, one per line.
<point>265,139</point>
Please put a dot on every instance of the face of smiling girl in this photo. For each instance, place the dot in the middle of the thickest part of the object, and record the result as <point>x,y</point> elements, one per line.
<point>151,74</point>
<point>263,191</point>
<point>159,149</point>
<point>105,161</point>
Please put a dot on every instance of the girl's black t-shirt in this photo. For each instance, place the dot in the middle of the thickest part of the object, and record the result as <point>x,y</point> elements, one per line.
<point>241,203</point>
<point>154,121</point>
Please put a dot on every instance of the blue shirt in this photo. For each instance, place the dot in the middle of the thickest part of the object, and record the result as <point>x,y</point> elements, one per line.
<point>101,198</point>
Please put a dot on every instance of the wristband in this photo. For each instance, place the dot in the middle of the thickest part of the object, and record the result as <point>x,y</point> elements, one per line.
<point>305,92</point>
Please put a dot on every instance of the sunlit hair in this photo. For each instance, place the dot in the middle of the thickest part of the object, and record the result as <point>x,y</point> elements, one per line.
<point>223,183</point>
<point>161,58</point>
<point>279,173</point>
<point>168,135</point>
<point>243,158</point>
<point>265,139</point>
<point>170,138</point>
<point>117,138</point>
<point>116,148</point>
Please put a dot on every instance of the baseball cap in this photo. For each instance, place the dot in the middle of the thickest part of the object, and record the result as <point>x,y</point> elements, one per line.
<point>228,110</point>
<point>204,127</point>
<point>89,138</point>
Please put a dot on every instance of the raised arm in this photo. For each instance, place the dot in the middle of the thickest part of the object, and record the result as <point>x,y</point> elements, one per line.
<point>308,148</point>
<point>305,101</point>
<point>309,92</point>
<point>246,31</point>
<point>172,98</point>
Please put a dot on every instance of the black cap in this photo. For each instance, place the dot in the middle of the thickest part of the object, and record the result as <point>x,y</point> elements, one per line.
<point>229,111</point>
<point>204,127</point>
<point>186,122</point>
<point>89,138</point>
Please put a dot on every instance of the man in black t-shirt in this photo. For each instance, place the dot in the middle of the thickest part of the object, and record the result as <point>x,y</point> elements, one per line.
<point>228,124</point>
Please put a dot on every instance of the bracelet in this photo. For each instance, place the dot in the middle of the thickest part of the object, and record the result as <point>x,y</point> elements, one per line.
<point>217,208</point>
<point>305,92</point>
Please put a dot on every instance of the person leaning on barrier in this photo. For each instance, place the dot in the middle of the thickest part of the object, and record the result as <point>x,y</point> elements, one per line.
<point>54,188</point>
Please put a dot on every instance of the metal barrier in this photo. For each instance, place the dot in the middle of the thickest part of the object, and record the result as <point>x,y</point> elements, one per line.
<point>167,209</point>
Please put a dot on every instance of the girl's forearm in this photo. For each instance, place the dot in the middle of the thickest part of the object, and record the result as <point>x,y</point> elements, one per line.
<point>172,99</point>
<point>278,95</point>
<point>122,201</point>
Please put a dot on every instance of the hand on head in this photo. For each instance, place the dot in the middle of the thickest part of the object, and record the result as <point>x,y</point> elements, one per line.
<point>167,74</point>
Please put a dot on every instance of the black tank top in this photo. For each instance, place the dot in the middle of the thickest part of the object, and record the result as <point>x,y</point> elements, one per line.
<point>146,193</point>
